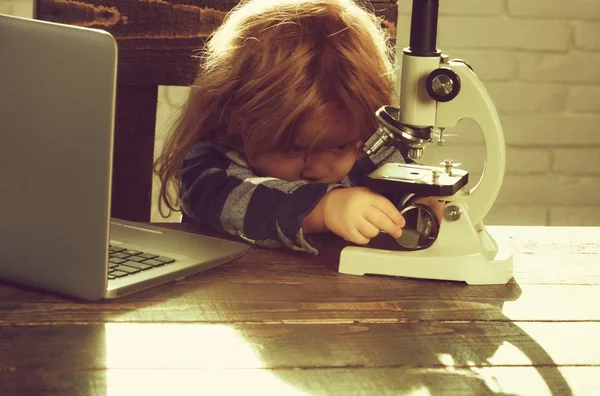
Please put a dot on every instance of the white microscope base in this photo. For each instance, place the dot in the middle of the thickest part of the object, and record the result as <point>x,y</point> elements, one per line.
<point>462,252</point>
<point>474,269</point>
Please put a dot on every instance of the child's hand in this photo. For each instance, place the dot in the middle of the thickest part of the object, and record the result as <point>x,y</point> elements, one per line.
<point>358,214</point>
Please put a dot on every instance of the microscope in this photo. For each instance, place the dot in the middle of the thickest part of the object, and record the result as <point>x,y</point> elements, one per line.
<point>436,93</point>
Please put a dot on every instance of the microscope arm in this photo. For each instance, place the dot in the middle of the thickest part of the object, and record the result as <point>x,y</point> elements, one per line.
<point>474,102</point>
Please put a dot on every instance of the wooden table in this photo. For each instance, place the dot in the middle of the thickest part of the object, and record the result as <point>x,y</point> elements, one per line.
<point>284,323</point>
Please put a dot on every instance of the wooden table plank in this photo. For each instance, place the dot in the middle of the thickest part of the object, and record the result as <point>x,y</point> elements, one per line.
<point>563,381</point>
<point>275,303</point>
<point>191,302</point>
<point>279,346</point>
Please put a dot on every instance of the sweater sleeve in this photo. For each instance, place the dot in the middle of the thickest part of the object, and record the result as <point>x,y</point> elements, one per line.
<point>228,196</point>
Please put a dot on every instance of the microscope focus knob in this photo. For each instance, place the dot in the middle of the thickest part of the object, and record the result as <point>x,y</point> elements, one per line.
<point>443,84</point>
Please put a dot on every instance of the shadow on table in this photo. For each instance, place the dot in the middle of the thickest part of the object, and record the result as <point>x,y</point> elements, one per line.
<point>435,357</point>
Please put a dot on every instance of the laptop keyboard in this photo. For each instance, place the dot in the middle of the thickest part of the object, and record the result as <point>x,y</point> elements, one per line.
<point>123,262</point>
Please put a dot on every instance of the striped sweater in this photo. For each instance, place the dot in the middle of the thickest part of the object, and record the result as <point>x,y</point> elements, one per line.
<point>219,189</point>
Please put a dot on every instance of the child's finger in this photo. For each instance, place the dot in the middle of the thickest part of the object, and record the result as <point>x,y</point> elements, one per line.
<point>356,236</point>
<point>388,208</point>
<point>368,229</point>
<point>381,221</point>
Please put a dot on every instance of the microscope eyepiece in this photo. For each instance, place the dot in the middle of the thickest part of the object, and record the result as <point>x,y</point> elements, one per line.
<point>423,28</point>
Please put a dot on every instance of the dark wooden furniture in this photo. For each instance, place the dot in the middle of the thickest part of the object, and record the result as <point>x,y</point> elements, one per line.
<point>156,42</point>
<point>285,323</point>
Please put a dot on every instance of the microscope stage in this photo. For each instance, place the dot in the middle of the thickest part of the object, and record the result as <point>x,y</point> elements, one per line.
<point>418,179</point>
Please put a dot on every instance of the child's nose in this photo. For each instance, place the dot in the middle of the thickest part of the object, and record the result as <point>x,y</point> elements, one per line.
<point>314,169</point>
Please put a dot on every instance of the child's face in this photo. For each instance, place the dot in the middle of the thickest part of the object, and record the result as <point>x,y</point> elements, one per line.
<point>317,155</point>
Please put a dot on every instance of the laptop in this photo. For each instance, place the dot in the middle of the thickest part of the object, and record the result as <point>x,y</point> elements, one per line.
<point>57,98</point>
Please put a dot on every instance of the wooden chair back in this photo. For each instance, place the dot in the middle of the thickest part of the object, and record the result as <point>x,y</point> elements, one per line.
<point>156,41</point>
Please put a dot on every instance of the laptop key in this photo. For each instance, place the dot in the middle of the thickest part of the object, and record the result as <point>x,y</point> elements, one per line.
<point>137,265</point>
<point>118,274</point>
<point>147,255</point>
<point>115,249</point>
<point>116,260</point>
<point>165,259</point>
<point>132,252</point>
<point>135,258</point>
<point>154,263</point>
<point>129,270</point>
<point>119,255</point>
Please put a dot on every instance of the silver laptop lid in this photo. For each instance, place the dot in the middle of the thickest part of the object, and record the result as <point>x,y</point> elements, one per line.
<point>57,89</point>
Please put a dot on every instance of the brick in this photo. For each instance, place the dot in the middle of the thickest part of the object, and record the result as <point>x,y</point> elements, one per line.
<point>575,216</point>
<point>23,9</point>
<point>459,7</point>
<point>175,96</point>
<point>579,9</point>
<point>503,33</point>
<point>518,97</point>
<point>516,216</point>
<point>551,129</point>
<point>402,32</point>
<point>527,160</point>
<point>489,33</point>
<point>169,101</point>
<point>166,111</point>
<point>584,99</point>
<point>549,189</point>
<point>587,35</point>
<point>572,67</point>
<point>6,8</point>
<point>577,160</point>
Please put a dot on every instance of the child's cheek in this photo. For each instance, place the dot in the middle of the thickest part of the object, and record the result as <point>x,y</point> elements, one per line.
<point>286,169</point>
<point>346,164</point>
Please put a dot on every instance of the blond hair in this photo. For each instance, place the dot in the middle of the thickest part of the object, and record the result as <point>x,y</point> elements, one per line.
<point>270,65</point>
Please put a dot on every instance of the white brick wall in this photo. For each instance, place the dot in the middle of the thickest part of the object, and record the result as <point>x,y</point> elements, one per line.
<point>539,60</point>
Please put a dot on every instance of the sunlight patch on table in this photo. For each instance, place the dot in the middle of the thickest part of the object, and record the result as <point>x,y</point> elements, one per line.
<point>553,303</point>
<point>197,382</point>
<point>157,359</point>
<point>178,346</point>
<point>507,353</point>
<point>506,381</point>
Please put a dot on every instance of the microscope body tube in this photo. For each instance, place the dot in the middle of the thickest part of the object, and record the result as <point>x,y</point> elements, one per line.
<point>417,108</point>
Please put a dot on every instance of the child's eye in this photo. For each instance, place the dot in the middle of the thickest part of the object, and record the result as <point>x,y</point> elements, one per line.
<point>341,147</point>
<point>295,150</point>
